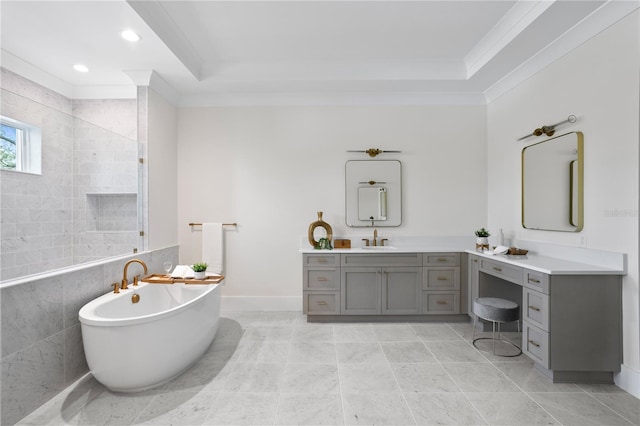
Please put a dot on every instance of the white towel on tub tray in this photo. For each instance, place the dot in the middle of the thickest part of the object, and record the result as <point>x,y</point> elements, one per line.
<point>213,247</point>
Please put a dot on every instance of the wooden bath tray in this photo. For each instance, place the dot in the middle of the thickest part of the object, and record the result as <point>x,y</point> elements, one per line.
<point>167,279</point>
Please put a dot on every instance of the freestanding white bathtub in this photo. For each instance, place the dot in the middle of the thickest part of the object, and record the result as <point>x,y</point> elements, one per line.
<point>135,346</point>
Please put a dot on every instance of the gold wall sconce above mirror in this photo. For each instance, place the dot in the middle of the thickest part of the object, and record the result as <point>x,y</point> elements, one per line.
<point>374,152</point>
<point>550,129</point>
<point>553,184</point>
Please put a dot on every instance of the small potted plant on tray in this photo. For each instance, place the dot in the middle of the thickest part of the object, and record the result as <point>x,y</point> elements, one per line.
<point>199,271</point>
<point>482,240</point>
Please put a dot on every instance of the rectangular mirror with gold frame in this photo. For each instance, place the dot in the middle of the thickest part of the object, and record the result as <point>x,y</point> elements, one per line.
<point>553,184</point>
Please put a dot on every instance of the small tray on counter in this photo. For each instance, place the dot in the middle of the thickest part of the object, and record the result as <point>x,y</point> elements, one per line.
<point>168,279</point>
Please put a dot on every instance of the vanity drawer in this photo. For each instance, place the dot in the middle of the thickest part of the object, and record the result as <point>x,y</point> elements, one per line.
<point>535,344</point>
<point>502,270</point>
<point>321,279</point>
<point>321,259</point>
<point>441,278</point>
<point>535,308</point>
<point>440,302</point>
<point>441,259</point>
<point>321,303</point>
<point>536,281</point>
<point>382,259</point>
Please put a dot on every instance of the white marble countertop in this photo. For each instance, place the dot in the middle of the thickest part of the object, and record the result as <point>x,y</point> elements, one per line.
<point>561,261</point>
<point>550,265</point>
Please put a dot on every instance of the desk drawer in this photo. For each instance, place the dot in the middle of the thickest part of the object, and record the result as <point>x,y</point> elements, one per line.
<point>536,280</point>
<point>502,270</point>
<point>321,279</point>
<point>441,278</point>
<point>535,308</point>
<point>535,344</point>
<point>441,259</point>
<point>441,302</point>
<point>323,259</point>
<point>321,303</point>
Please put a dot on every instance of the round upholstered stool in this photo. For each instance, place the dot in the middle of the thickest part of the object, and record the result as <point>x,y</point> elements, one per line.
<point>497,311</point>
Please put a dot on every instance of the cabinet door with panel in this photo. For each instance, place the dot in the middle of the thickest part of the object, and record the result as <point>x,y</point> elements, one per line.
<point>360,291</point>
<point>401,290</point>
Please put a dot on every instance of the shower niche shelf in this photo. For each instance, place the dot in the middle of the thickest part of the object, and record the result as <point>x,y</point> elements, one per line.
<point>112,212</point>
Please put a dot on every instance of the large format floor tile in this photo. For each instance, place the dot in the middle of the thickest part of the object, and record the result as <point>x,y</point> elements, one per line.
<point>274,368</point>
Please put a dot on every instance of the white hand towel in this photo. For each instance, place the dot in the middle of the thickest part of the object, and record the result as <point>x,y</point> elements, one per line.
<point>213,247</point>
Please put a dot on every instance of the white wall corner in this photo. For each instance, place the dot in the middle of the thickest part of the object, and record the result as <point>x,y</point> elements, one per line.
<point>628,379</point>
<point>152,79</point>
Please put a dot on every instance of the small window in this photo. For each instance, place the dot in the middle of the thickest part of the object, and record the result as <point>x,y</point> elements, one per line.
<point>20,146</point>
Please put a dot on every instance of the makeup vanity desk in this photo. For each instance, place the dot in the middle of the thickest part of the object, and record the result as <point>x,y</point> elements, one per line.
<point>571,312</point>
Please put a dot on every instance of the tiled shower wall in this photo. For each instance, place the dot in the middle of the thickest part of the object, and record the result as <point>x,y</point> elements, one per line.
<point>105,189</point>
<point>42,350</point>
<point>88,146</point>
<point>37,210</point>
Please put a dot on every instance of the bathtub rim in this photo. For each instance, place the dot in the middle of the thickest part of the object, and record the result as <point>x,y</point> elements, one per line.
<point>87,316</point>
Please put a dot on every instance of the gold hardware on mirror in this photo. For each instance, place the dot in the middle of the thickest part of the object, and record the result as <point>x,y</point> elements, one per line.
<point>373,152</point>
<point>135,298</point>
<point>322,243</point>
<point>549,130</point>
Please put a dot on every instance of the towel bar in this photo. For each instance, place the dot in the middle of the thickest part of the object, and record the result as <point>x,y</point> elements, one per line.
<point>224,224</point>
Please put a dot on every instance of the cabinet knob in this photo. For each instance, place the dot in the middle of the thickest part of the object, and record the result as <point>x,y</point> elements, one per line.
<point>495,268</point>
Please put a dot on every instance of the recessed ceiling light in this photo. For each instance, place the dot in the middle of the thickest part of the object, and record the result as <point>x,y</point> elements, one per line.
<point>80,68</point>
<point>130,35</point>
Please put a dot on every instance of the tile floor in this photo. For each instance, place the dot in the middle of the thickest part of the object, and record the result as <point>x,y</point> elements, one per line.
<point>273,368</point>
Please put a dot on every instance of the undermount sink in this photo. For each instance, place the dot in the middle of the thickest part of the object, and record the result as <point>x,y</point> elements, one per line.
<point>380,248</point>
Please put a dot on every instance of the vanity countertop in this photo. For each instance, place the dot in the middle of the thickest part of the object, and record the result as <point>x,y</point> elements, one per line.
<point>550,265</point>
<point>545,264</point>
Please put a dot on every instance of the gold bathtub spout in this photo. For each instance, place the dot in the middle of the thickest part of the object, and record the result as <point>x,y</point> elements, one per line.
<point>125,282</point>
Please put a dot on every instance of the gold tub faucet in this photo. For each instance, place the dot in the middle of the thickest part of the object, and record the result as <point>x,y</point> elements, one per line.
<point>125,282</point>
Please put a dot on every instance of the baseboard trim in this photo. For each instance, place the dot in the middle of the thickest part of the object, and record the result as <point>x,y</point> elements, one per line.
<point>628,379</point>
<point>261,303</point>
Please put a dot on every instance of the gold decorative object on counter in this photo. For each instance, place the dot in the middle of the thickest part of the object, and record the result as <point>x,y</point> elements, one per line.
<point>319,224</point>
<point>516,251</point>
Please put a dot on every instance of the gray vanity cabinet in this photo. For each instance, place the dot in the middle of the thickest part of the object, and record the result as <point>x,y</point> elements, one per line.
<point>441,283</point>
<point>321,284</point>
<point>381,284</point>
<point>571,324</point>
